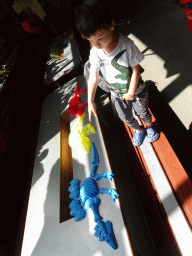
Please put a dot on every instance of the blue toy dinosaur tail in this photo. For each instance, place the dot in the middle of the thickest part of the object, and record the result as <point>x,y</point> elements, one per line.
<point>104,232</point>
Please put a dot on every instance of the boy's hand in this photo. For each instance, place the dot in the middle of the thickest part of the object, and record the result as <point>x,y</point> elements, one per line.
<point>91,110</point>
<point>127,96</point>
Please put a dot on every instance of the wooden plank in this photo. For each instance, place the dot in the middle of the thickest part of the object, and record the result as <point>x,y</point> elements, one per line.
<point>176,174</point>
<point>152,204</point>
<point>66,167</point>
<point>126,228</point>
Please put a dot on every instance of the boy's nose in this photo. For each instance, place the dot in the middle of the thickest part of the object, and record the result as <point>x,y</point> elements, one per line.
<point>99,45</point>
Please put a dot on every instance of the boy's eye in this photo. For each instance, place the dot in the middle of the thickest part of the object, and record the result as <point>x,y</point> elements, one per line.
<point>99,39</point>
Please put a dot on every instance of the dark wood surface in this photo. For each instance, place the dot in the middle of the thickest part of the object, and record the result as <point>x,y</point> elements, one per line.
<point>66,168</point>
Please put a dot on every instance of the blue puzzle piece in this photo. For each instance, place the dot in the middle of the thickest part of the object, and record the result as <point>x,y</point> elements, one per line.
<point>95,160</point>
<point>104,232</point>
<point>112,192</point>
<point>77,210</point>
<point>74,191</point>
<point>105,175</point>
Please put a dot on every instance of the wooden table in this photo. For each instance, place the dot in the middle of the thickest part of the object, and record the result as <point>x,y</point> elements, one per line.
<point>45,234</point>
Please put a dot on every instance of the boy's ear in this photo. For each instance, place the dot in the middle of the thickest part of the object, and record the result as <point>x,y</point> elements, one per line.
<point>112,26</point>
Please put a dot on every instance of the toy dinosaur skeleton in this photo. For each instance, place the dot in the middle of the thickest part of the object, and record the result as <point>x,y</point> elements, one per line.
<point>86,197</point>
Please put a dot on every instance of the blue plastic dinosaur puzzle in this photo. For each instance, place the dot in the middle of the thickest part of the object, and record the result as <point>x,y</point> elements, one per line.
<point>86,197</point>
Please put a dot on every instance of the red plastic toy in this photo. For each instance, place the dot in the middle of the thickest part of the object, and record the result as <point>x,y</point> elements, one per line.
<point>187,9</point>
<point>76,106</point>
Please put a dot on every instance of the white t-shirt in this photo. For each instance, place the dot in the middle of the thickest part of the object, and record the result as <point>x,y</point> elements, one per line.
<point>116,66</point>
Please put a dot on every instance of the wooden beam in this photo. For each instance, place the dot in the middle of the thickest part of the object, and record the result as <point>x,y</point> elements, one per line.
<point>176,174</point>
<point>66,167</point>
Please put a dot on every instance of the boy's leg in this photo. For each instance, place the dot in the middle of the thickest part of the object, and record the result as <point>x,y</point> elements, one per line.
<point>140,106</point>
<point>124,111</point>
<point>141,110</point>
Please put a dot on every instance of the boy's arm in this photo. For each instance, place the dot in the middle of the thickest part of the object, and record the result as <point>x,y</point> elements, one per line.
<point>92,86</point>
<point>130,95</point>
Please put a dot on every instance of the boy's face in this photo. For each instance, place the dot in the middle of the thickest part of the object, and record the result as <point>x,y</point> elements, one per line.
<point>102,37</point>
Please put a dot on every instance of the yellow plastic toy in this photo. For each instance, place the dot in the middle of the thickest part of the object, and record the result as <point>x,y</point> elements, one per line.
<point>79,139</point>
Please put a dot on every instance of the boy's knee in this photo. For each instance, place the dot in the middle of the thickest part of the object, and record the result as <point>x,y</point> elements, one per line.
<point>146,117</point>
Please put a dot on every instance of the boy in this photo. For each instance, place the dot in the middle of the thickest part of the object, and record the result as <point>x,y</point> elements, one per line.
<point>117,57</point>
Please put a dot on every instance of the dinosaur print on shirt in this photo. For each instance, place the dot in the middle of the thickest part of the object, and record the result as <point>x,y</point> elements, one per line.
<point>125,75</point>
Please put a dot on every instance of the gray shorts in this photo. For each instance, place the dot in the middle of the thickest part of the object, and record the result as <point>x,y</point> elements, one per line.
<point>124,108</point>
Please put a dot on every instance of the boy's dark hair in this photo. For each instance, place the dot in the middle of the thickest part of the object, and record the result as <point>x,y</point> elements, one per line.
<point>92,15</point>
